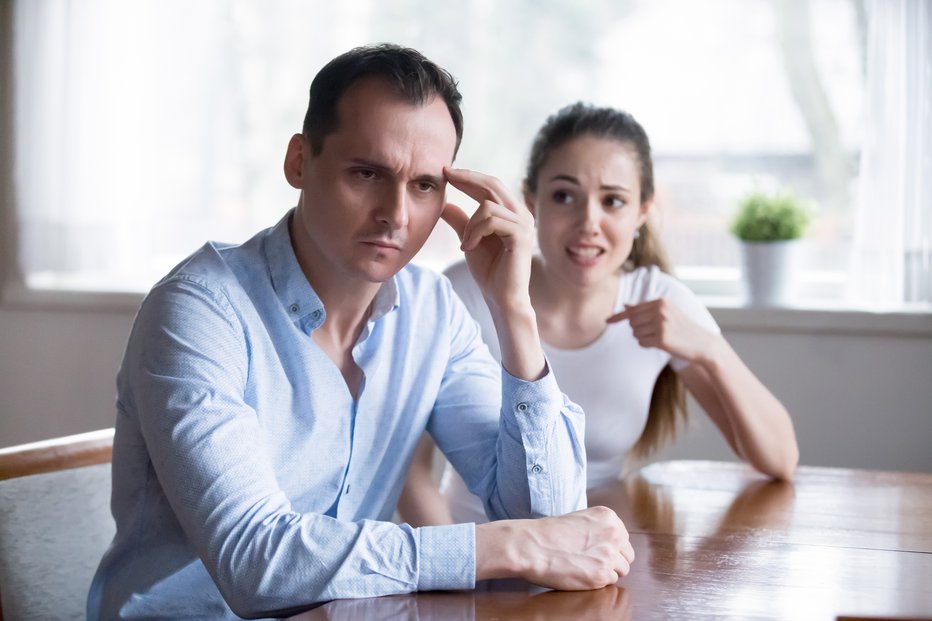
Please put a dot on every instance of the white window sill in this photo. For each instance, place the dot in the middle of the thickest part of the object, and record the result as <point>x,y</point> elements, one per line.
<point>729,312</point>
<point>821,310</point>
<point>821,318</point>
<point>17,296</point>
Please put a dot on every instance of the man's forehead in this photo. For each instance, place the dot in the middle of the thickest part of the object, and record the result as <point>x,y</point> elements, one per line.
<point>377,121</point>
<point>420,159</point>
<point>369,94</point>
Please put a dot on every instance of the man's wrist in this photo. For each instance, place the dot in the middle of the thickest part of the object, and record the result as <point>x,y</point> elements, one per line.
<point>517,307</point>
<point>519,343</point>
<point>497,550</point>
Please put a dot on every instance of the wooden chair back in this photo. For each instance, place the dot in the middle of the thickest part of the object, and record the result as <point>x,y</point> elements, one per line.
<point>55,524</point>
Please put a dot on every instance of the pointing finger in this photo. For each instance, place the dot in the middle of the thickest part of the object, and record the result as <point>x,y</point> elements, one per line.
<point>617,317</point>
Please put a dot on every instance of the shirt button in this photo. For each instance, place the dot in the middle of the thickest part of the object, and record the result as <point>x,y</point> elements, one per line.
<point>294,308</point>
<point>522,407</point>
<point>537,469</point>
<point>316,313</point>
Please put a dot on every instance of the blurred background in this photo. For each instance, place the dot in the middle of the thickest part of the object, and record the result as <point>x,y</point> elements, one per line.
<point>136,130</point>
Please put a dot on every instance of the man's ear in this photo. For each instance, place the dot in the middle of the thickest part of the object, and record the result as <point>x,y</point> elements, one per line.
<point>298,150</point>
<point>529,197</point>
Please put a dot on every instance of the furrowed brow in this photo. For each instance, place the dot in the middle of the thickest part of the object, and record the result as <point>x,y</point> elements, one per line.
<point>358,161</point>
<point>569,178</point>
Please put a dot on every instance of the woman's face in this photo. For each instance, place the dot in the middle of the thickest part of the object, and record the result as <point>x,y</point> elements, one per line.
<point>587,207</point>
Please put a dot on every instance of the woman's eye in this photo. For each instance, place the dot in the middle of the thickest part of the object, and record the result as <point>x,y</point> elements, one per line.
<point>613,202</point>
<point>561,197</point>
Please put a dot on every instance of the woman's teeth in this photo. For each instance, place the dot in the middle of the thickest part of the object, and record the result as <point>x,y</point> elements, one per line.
<point>586,252</point>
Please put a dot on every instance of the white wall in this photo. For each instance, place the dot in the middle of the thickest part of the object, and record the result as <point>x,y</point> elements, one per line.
<point>859,397</point>
<point>857,400</point>
<point>58,370</point>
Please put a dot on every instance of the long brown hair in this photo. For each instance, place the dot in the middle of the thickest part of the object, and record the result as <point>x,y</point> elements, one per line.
<point>668,401</point>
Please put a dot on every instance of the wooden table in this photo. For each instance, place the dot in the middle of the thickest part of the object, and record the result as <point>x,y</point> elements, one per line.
<point>717,540</point>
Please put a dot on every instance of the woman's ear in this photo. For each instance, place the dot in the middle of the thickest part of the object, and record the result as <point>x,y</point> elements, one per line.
<point>644,212</point>
<point>298,149</point>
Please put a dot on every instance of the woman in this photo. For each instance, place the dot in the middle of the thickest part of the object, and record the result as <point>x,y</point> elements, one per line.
<point>623,337</point>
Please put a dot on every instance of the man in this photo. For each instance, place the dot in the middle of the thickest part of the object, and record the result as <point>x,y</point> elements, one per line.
<point>272,393</point>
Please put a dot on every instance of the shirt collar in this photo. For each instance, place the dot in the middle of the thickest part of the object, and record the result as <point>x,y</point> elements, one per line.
<point>294,291</point>
<point>386,299</point>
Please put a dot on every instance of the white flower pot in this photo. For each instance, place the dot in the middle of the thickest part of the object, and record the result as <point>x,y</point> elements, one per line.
<point>769,272</point>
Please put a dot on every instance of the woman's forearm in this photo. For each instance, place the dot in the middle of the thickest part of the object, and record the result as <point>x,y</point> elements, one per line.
<point>761,429</point>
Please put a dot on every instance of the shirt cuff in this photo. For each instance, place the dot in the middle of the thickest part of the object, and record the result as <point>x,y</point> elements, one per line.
<point>531,402</point>
<point>446,557</point>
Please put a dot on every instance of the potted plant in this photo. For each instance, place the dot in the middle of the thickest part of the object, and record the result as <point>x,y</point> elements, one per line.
<point>769,227</point>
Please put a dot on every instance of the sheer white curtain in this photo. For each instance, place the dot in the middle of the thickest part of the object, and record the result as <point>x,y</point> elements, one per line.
<point>892,260</point>
<point>145,128</point>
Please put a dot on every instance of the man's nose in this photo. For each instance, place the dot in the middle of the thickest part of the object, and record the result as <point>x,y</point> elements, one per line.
<point>394,208</point>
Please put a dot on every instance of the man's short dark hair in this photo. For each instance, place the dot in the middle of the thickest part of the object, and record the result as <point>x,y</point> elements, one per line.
<point>415,79</point>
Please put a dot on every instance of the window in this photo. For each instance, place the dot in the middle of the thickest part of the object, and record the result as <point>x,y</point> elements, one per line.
<point>739,95</point>
<point>145,128</point>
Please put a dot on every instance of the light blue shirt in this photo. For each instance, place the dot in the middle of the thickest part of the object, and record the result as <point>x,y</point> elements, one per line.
<point>246,478</point>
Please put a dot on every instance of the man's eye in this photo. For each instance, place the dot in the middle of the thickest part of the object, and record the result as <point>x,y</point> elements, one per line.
<point>426,186</point>
<point>561,197</point>
<point>366,174</point>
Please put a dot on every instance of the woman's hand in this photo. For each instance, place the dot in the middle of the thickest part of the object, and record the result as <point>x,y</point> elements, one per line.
<point>661,324</point>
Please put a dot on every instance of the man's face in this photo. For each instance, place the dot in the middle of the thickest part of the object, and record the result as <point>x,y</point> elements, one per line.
<point>372,196</point>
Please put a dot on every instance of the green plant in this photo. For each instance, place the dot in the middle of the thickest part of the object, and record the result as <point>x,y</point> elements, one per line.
<point>763,217</point>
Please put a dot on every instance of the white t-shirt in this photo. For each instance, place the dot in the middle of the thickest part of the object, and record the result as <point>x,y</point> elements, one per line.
<point>612,379</point>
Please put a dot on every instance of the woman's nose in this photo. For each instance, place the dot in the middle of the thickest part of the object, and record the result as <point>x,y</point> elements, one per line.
<point>590,216</point>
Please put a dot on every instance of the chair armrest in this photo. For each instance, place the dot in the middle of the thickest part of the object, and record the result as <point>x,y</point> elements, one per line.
<point>83,449</point>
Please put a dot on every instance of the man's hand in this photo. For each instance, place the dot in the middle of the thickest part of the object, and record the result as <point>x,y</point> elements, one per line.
<point>661,324</point>
<point>498,239</point>
<point>583,550</point>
